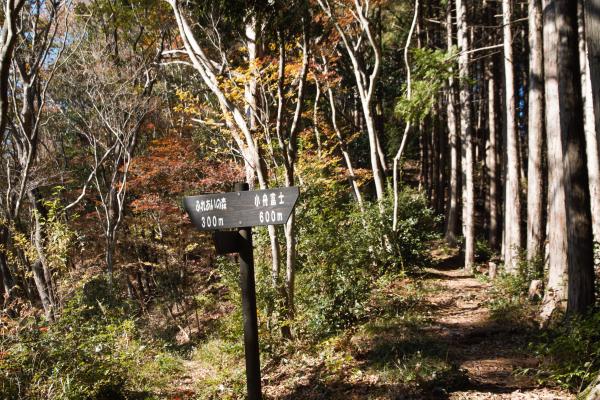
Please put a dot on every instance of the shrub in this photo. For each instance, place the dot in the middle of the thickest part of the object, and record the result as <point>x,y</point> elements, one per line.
<point>342,251</point>
<point>571,352</point>
<point>90,352</point>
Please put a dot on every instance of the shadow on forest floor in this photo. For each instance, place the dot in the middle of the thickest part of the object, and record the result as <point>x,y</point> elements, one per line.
<point>437,343</point>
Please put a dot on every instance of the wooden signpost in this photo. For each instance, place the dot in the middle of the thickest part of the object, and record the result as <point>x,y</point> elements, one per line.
<point>243,209</point>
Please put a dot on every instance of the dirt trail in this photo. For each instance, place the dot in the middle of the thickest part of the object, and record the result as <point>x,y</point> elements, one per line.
<point>489,352</point>
<point>428,337</point>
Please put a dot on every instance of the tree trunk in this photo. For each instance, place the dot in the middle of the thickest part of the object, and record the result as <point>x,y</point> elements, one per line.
<point>435,167</point>
<point>374,154</point>
<point>424,170</point>
<point>443,161</point>
<point>7,279</point>
<point>316,116</point>
<point>7,44</point>
<point>109,253</point>
<point>365,86</point>
<point>43,282</point>
<point>466,135</point>
<point>579,223</point>
<point>591,106</point>
<point>571,273</point>
<point>290,276</point>
<point>453,190</point>
<point>555,296</point>
<point>42,289</point>
<point>535,182</point>
<point>492,156</point>
<point>250,86</point>
<point>343,149</point>
<point>512,200</point>
<point>592,34</point>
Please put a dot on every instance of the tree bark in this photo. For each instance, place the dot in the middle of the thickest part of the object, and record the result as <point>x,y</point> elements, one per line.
<point>512,200</point>
<point>41,269</point>
<point>492,156</point>
<point>453,189</point>
<point>343,147</point>
<point>555,295</point>
<point>8,38</point>
<point>535,182</point>
<point>8,281</point>
<point>365,85</point>
<point>579,222</point>
<point>466,136</point>
<point>589,30</point>
<point>571,272</point>
<point>250,85</point>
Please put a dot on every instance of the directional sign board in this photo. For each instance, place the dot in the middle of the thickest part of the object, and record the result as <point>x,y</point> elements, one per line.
<point>240,209</point>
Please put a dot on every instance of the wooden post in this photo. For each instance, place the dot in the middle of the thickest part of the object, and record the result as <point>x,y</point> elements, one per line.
<point>248,287</point>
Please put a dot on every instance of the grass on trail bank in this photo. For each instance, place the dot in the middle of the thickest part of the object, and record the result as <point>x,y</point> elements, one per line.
<point>386,354</point>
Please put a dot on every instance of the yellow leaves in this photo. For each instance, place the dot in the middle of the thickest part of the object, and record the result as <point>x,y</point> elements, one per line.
<point>22,243</point>
<point>189,104</point>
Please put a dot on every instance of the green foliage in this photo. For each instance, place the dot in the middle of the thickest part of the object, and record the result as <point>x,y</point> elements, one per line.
<point>430,71</point>
<point>509,294</point>
<point>342,252</point>
<point>59,235</point>
<point>483,250</point>
<point>416,229</point>
<point>508,297</point>
<point>571,352</point>
<point>223,364</point>
<point>92,351</point>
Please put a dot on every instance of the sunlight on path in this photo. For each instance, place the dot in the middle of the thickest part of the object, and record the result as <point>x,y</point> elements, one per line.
<point>489,351</point>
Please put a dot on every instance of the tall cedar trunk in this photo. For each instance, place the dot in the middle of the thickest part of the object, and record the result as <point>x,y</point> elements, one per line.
<point>512,201</point>
<point>453,189</point>
<point>579,222</point>
<point>492,156</point>
<point>435,181</point>
<point>443,160</point>
<point>590,98</point>
<point>466,135</point>
<point>427,129</point>
<point>555,296</point>
<point>535,183</point>
<point>571,273</point>
<point>424,171</point>
<point>592,34</point>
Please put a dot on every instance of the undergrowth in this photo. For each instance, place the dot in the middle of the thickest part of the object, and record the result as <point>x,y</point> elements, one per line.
<point>93,351</point>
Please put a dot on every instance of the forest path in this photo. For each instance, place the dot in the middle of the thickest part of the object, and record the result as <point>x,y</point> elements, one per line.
<point>426,337</point>
<point>490,352</point>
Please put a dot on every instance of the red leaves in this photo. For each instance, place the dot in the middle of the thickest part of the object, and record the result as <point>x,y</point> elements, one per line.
<point>172,168</point>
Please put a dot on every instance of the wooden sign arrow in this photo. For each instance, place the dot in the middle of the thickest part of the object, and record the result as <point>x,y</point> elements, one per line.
<point>241,209</point>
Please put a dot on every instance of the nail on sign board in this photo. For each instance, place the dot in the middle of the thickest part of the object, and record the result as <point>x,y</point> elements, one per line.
<point>241,209</point>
